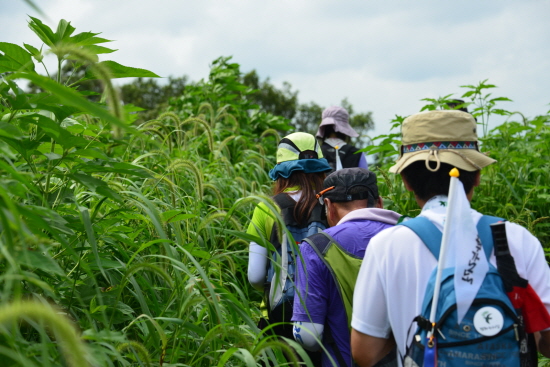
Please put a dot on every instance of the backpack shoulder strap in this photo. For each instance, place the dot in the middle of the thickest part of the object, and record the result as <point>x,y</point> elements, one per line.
<point>431,236</point>
<point>286,204</point>
<point>283,200</point>
<point>428,233</point>
<point>319,242</point>
<point>346,149</point>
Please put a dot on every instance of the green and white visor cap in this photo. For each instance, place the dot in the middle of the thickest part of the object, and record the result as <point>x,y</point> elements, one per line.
<point>298,146</point>
<point>441,136</point>
<point>298,152</point>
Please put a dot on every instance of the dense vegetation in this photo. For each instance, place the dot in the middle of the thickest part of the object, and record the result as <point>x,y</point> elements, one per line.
<point>123,244</point>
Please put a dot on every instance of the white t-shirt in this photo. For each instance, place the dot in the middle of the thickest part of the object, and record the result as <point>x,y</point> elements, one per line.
<point>397,266</point>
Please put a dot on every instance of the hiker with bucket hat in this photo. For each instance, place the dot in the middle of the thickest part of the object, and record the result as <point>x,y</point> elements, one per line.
<point>335,133</point>
<point>399,262</point>
<point>331,261</point>
<point>298,176</point>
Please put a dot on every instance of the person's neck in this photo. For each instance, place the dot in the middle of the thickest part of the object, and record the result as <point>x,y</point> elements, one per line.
<point>421,202</point>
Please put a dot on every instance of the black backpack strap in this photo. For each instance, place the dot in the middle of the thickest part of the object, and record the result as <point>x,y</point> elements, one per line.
<point>319,241</point>
<point>286,204</point>
<point>484,232</point>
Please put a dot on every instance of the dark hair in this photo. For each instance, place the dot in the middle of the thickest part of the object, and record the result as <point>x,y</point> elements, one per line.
<point>329,129</point>
<point>427,184</point>
<point>310,184</point>
<point>457,104</point>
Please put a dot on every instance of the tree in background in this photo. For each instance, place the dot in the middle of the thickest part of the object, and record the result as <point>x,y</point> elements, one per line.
<point>303,116</point>
<point>281,102</point>
<point>154,97</point>
<point>151,95</point>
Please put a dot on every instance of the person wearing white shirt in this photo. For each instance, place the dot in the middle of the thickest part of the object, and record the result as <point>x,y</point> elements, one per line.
<point>397,265</point>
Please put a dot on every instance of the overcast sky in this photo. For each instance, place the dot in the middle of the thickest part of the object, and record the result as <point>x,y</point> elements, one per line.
<point>384,56</point>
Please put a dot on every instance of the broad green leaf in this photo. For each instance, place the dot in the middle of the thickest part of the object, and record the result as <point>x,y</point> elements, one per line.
<point>60,111</point>
<point>124,308</point>
<point>95,185</point>
<point>43,219</point>
<point>23,178</point>
<point>176,215</point>
<point>89,93</point>
<point>87,38</point>
<point>64,30</point>
<point>34,52</point>
<point>35,259</point>
<point>44,32</point>
<point>52,156</point>
<point>90,153</point>
<point>107,264</point>
<point>14,58</point>
<point>24,147</point>
<point>201,254</point>
<point>56,132</point>
<point>501,99</point>
<point>132,108</point>
<point>71,97</point>
<point>99,49</point>
<point>98,309</point>
<point>121,168</point>
<point>10,131</point>
<point>121,71</point>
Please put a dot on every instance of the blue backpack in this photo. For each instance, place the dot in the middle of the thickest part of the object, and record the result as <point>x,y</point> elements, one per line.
<point>281,267</point>
<point>490,331</point>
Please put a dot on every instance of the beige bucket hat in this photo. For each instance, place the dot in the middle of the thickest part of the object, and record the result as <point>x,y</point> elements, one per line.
<point>442,136</point>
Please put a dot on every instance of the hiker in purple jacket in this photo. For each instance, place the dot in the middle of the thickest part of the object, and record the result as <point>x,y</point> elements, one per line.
<point>355,214</point>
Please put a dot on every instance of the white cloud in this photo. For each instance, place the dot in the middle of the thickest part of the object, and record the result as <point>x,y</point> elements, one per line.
<point>383,56</point>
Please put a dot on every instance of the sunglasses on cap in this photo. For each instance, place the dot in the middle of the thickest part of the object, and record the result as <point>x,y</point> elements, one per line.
<point>319,196</point>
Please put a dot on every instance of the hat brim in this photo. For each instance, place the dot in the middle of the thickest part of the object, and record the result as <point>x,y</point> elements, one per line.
<point>339,127</point>
<point>285,169</point>
<point>465,159</point>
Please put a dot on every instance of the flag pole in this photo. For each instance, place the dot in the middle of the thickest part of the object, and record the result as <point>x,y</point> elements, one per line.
<point>444,245</point>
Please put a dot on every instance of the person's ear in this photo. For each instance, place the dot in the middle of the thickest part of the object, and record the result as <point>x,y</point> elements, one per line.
<point>330,212</point>
<point>328,206</point>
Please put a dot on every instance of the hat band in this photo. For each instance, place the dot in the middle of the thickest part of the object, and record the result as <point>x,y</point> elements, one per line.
<point>439,145</point>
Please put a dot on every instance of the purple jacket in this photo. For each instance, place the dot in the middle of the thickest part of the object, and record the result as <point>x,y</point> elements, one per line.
<point>322,298</point>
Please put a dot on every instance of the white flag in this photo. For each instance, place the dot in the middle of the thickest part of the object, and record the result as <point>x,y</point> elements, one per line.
<point>338,162</point>
<point>470,261</point>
